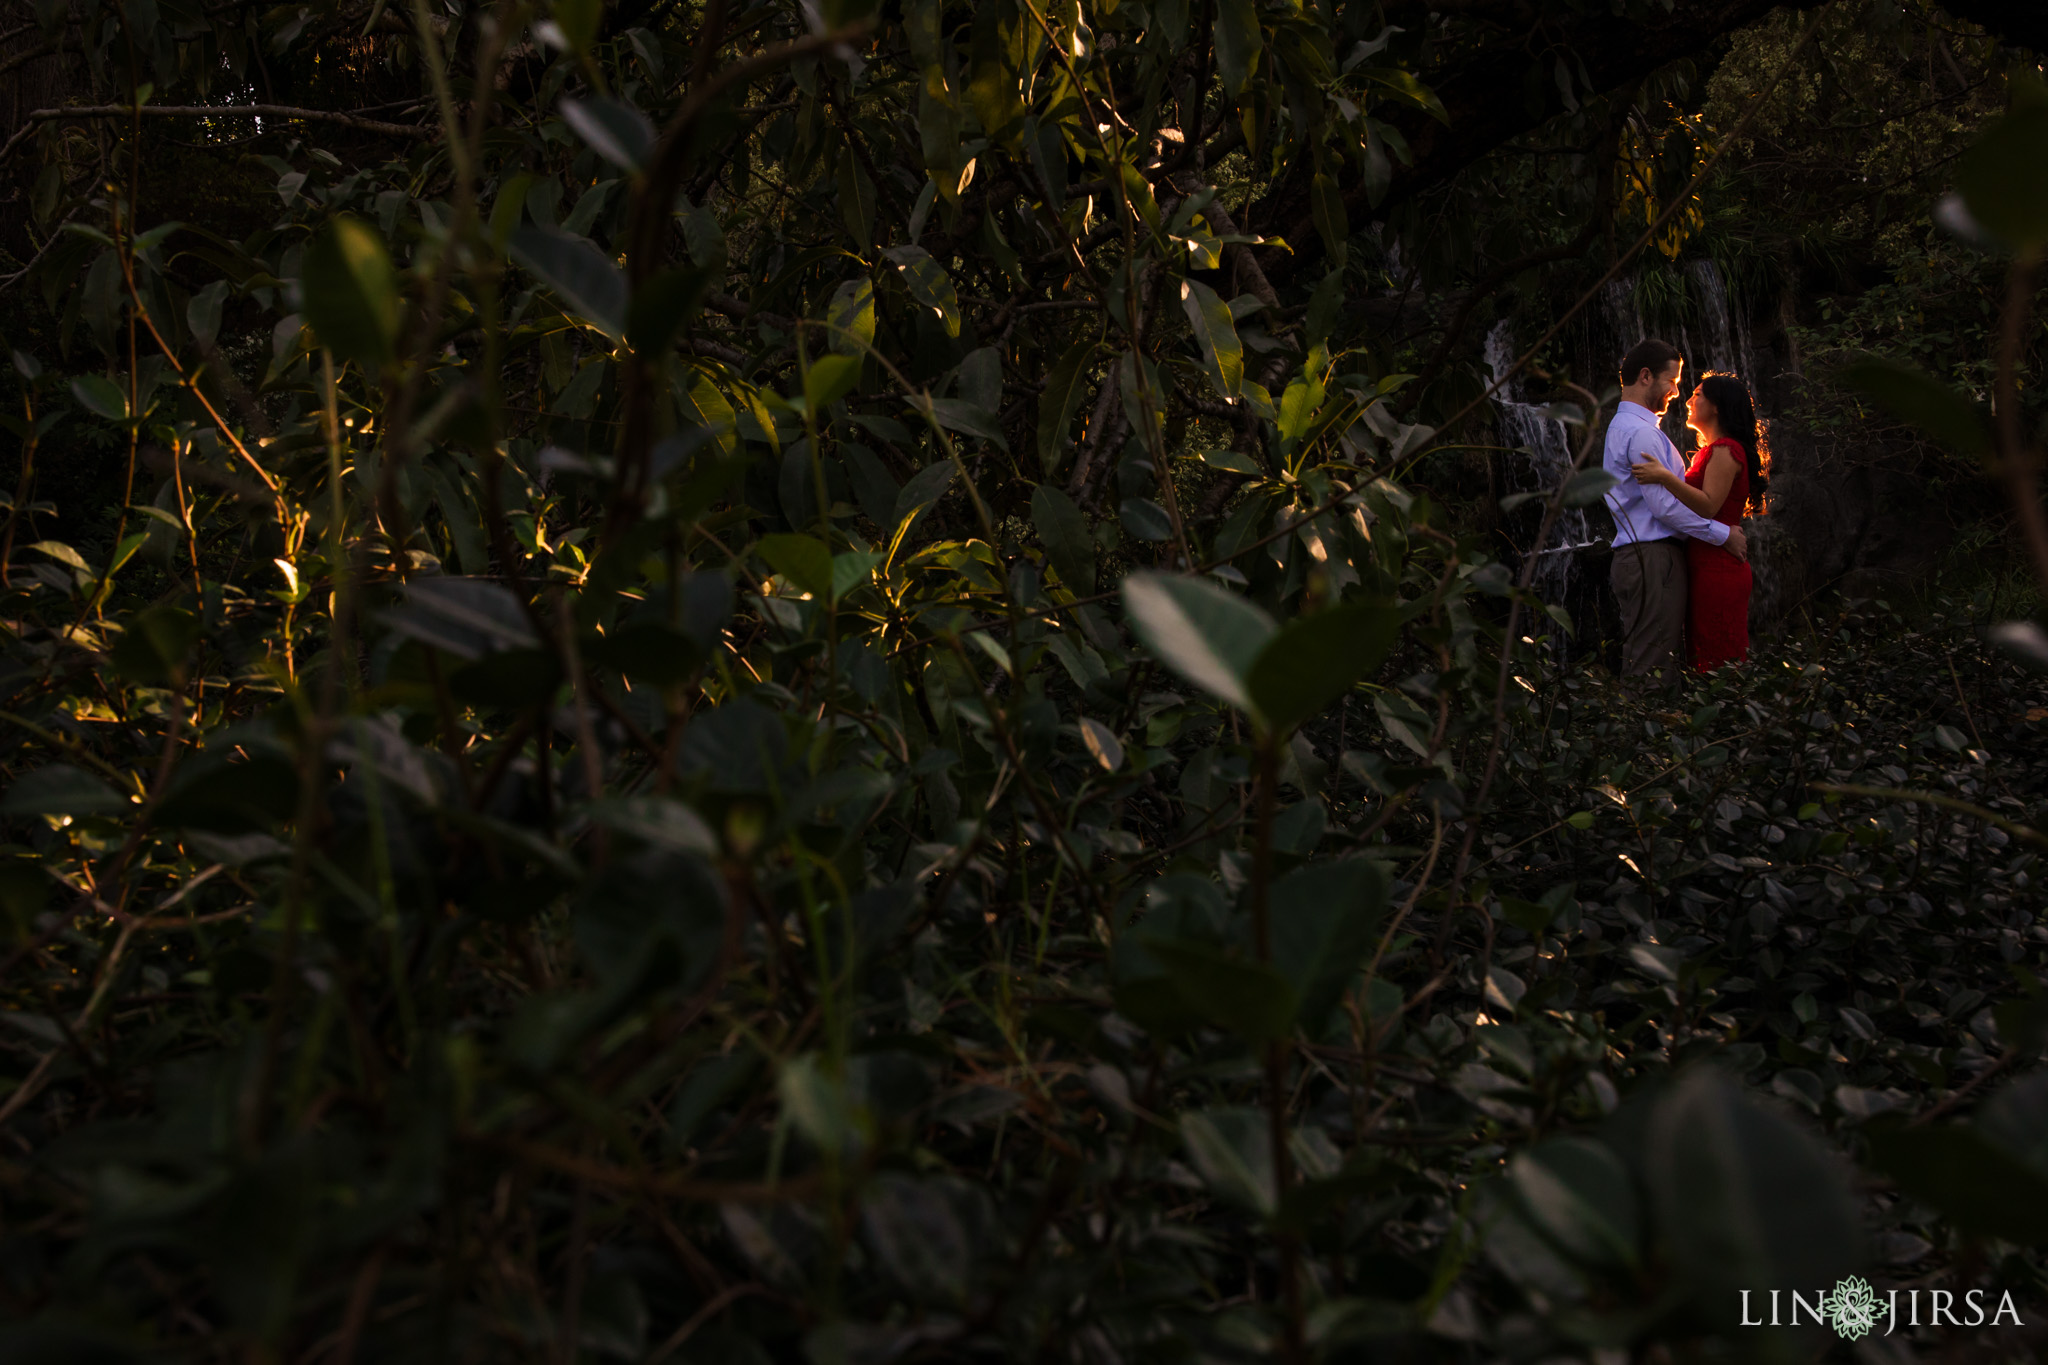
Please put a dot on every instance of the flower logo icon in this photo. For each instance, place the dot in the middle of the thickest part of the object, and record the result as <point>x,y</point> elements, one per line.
<point>1852,1308</point>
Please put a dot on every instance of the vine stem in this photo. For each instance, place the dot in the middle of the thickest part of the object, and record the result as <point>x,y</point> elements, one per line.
<point>2016,460</point>
<point>1267,759</point>
<point>1553,509</point>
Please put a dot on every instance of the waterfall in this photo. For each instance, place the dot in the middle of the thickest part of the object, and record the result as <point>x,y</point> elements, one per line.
<point>1717,337</point>
<point>1623,318</point>
<point>1544,441</point>
<point>1728,346</point>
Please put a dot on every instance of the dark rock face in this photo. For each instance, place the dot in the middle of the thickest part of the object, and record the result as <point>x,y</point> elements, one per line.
<point>1847,521</point>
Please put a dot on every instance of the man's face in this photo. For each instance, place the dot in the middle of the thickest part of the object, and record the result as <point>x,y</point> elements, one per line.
<point>1663,386</point>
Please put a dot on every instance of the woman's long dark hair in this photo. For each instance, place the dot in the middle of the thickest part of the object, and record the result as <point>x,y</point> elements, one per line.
<point>1735,414</point>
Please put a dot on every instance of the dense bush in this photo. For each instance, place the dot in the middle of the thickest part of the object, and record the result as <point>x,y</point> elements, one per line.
<point>596,810</point>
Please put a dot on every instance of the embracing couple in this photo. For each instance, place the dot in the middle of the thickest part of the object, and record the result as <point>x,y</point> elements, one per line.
<point>1681,564</point>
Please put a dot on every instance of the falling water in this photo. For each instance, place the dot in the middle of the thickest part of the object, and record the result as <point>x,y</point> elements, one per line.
<point>1526,427</point>
<point>1727,333</point>
<point>1624,319</point>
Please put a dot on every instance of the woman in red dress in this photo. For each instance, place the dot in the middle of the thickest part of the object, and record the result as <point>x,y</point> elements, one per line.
<point>1724,477</point>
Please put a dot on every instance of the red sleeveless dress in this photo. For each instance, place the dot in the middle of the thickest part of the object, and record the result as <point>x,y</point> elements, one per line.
<point>1719,614</point>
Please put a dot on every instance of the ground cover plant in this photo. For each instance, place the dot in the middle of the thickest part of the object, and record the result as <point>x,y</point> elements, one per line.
<point>770,701</point>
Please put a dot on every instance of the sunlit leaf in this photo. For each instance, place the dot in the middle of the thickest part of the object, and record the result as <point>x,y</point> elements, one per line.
<point>1222,352</point>
<point>928,283</point>
<point>1102,744</point>
<point>1209,636</point>
<point>851,315</point>
<point>828,379</point>
<point>803,560</point>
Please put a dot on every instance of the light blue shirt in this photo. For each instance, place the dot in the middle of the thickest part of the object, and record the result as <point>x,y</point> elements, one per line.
<point>1647,511</point>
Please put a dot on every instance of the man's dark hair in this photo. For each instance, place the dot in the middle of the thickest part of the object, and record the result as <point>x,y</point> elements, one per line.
<point>1649,354</point>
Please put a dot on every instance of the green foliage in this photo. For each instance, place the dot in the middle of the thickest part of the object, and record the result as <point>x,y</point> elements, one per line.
<point>1925,402</point>
<point>351,293</point>
<point>2000,178</point>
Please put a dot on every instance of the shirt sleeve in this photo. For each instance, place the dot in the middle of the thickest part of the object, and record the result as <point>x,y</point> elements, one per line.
<point>1664,505</point>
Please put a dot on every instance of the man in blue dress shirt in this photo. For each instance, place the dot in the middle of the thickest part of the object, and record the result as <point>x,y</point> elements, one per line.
<point>1650,525</point>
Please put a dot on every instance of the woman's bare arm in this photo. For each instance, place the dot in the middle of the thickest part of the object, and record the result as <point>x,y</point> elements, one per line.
<point>1721,471</point>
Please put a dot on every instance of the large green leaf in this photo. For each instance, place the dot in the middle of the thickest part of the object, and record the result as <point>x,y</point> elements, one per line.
<point>1299,404</point>
<point>1326,204</point>
<point>589,283</point>
<point>928,283</point>
<point>803,560</point>
<point>351,292</point>
<point>1239,41</point>
<point>1232,1149</point>
<point>921,494</point>
<point>202,314</point>
<point>1063,531</point>
<point>100,396</point>
<point>657,821</point>
<point>1921,399</point>
<point>1977,1183</point>
<point>154,647</point>
<point>995,83</point>
<point>1222,352</point>
<point>663,306</point>
<point>1580,1195</point>
<point>2002,177</point>
<point>828,379</point>
<point>1325,918</point>
<point>856,201</point>
<point>1209,636</point>
<point>61,789</point>
<point>1063,389</point>
<point>1408,86</point>
<point>1314,660</point>
<point>1587,487</point>
<point>1745,1199</point>
<point>1253,1000</point>
<point>615,130</point>
<point>851,315</point>
<point>960,416</point>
